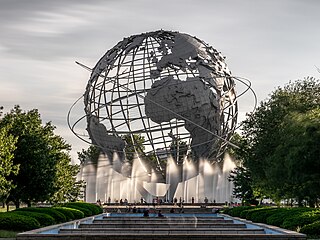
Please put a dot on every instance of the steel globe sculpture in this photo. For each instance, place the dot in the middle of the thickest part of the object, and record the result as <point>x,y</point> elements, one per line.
<point>169,87</point>
<point>162,108</point>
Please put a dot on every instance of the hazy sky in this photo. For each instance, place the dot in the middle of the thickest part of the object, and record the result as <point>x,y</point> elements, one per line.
<point>269,42</point>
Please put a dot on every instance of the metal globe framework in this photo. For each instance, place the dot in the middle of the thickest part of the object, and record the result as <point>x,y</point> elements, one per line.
<point>164,86</point>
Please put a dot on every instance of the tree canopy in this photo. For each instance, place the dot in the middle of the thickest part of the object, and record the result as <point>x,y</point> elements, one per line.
<point>7,167</point>
<point>281,140</point>
<point>42,156</point>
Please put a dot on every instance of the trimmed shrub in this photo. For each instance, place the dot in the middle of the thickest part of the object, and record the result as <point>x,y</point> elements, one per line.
<point>236,211</point>
<point>85,211</point>
<point>76,213</point>
<point>67,213</point>
<point>226,210</point>
<point>15,222</point>
<point>262,215</point>
<point>42,218</point>
<point>281,214</point>
<point>312,229</point>
<point>247,213</point>
<point>277,218</point>
<point>58,217</point>
<point>300,219</point>
<point>95,209</point>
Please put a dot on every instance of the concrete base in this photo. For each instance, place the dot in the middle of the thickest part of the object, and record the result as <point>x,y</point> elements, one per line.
<point>170,227</point>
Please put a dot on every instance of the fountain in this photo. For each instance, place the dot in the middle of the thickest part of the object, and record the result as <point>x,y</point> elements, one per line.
<point>182,182</point>
<point>162,108</point>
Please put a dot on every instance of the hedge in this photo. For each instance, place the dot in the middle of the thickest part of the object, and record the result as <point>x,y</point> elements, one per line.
<point>247,213</point>
<point>87,212</point>
<point>95,209</point>
<point>59,217</point>
<point>236,211</point>
<point>42,218</point>
<point>66,212</point>
<point>312,229</point>
<point>15,222</point>
<point>300,219</point>
<point>76,213</point>
<point>276,219</point>
<point>262,215</point>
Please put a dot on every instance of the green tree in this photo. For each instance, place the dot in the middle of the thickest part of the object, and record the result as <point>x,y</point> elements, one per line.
<point>300,153</point>
<point>90,154</point>
<point>244,188</point>
<point>134,145</point>
<point>38,152</point>
<point>67,188</point>
<point>269,134</point>
<point>178,150</point>
<point>7,167</point>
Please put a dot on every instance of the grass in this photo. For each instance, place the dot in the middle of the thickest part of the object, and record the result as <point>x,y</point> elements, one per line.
<point>4,209</point>
<point>8,234</point>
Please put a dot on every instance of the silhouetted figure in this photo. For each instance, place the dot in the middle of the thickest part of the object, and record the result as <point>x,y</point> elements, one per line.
<point>160,214</point>
<point>146,213</point>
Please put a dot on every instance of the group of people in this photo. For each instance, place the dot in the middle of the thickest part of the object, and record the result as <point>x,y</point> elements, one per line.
<point>146,213</point>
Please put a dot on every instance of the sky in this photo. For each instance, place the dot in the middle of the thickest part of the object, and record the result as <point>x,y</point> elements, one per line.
<point>268,42</point>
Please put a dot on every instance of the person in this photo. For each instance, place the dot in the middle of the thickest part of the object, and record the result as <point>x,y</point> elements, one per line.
<point>160,214</point>
<point>134,210</point>
<point>109,200</point>
<point>206,200</point>
<point>181,209</point>
<point>192,200</point>
<point>146,213</point>
<point>175,200</point>
<point>172,210</point>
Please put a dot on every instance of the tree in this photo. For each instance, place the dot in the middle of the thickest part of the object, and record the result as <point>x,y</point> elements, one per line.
<point>271,134</point>
<point>243,189</point>
<point>178,150</point>
<point>7,167</point>
<point>134,145</point>
<point>300,151</point>
<point>38,152</point>
<point>67,188</point>
<point>91,154</point>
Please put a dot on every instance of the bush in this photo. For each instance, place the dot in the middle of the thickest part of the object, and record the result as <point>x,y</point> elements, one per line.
<point>262,215</point>
<point>58,217</point>
<point>276,219</point>
<point>76,213</point>
<point>85,211</point>
<point>300,219</point>
<point>312,229</point>
<point>66,212</point>
<point>14,222</point>
<point>95,209</point>
<point>236,211</point>
<point>281,214</point>
<point>42,218</point>
<point>226,210</point>
<point>247,213</point>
